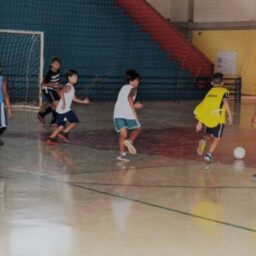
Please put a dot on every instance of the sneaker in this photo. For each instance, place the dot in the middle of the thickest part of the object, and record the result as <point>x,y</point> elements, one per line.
<point>52,142</point>
<point>41,119</point>
<point>201,147</point>
<point>1,143</point>
<point>129,144</point>
<point>64,137</point>
<point>208,157</point>
<point>123,157</point>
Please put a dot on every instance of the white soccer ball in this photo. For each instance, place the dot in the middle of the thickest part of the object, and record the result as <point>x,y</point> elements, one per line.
<point>239,153</point>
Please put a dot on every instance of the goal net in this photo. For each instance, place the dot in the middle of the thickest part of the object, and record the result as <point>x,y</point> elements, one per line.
<point>21,57</point>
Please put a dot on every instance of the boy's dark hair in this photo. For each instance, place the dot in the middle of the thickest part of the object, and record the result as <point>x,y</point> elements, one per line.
<point>56,59</point>
<point>131,75</point>
<point>217,78</point>
<point>70,72</point>
<point>1,69</point>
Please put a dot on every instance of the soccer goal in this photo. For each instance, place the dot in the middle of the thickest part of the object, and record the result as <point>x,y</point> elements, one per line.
<point>22,59</point>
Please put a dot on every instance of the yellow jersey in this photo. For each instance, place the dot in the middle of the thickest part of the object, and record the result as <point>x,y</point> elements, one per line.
<point>211,111</point>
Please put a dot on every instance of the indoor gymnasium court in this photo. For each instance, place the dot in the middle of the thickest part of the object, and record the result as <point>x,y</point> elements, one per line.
<point>79,194</point>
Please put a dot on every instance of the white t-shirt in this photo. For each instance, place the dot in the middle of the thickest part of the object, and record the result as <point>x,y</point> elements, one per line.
<point>69,96</point>
<point>122,106</point>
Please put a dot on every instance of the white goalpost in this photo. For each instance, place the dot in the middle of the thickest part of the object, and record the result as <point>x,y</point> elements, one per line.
<point>22,59</point>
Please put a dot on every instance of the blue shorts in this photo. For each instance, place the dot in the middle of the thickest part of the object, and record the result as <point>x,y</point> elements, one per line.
<point>50,95</point>
<point>66,117</point>
<point>131,124</point>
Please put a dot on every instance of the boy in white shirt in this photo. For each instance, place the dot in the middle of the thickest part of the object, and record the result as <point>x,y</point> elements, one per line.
<point>64,112</point>
<point>125,115</point>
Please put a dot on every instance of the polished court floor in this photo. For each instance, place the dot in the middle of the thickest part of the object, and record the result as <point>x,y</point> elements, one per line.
<point>76,200</point>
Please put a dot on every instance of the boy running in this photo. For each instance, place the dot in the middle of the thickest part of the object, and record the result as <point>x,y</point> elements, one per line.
<point>4,100</point>
<point>125,116</point>
<point>64,112</point>
<point>211,113</point>
<point>50,87</point>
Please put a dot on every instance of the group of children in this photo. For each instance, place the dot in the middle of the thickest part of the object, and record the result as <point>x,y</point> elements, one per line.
<point>210,113</point>
<point>57,99</point>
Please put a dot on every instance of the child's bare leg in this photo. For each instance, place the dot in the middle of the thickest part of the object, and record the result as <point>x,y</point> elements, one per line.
<point>43,111</point>
<point>214,145</point>
<point>54,114</point>
<point>122,136</point>
<point>202,144</point>
<point>207,137</point>
<point>52,139</point>
<point>70,127</point>
<point>64,135</point>
<point>134,134</point>
<point>129,143</point>
<point>56,132</point>
<point>43,107</point>
<point>54,105</point>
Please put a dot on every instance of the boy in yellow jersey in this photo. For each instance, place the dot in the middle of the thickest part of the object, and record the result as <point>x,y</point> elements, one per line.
<point>211,113</point>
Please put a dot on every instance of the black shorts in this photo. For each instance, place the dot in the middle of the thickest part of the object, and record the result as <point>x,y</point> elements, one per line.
<point>66,117</point>
<point>216,132</point>
<point>50,95</point>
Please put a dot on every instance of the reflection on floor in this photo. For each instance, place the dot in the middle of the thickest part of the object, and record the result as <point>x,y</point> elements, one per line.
<point>77,200</point>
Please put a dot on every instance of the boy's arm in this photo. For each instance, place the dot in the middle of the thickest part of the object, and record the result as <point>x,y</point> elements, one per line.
<point>131,102</point>
<point>226,104</point>
<point>86,101</point>
<point>61,94</point>
<point>51,85</point>
<point>138,105</point>
<point>199,126</point>
<point>7,98</point>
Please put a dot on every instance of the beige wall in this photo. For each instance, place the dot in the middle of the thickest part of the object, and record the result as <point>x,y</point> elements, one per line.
<point>179,10</point>
<point>240,41</point>
<point>225,10</point>
<point>176,10</point>
<point>207,10</point>
<point>162,6</point>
